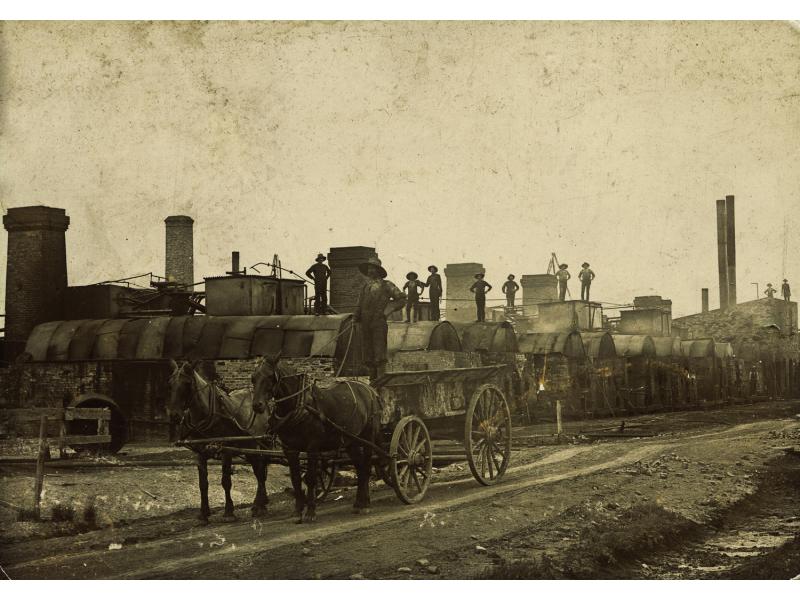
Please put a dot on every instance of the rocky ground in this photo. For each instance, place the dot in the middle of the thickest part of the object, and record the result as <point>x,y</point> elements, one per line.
<point>682,495</point>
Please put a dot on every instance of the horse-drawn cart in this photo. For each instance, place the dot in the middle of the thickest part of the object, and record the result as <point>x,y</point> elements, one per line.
<point>442,416</point>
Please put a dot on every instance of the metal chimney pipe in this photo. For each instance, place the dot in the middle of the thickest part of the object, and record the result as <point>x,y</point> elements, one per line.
<point>704,299</point>
<point>730,241</point>
<point>234,262</point>
<point>722,253</point>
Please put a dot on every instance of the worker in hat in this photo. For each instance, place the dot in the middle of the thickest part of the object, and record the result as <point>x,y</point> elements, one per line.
<point>319,273</point>
<point>786,290</point>
<point>480,288</point>
<point>434,285</point>
<point>378,298</point>
<point>563,276</point>
<point>412,287</point>
<point>510,288</point>
<point>586,276</point>
<point>770,291</point>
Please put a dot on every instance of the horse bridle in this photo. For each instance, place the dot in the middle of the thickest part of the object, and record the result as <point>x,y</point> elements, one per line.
<point>185,421</point>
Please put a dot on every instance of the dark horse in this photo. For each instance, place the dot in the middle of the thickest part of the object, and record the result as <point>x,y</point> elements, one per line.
<point>313,419</point>
<point>203,410</point>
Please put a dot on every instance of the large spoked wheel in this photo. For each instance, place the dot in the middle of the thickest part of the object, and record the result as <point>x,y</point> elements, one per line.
<point>326,475</point>
<point>487,434</point>
<point>411,462</point>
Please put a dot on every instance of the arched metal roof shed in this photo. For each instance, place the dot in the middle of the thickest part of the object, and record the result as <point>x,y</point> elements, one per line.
<point>488,337</point>
<point>599,344</point>
<point>190,338</point>
<point>568,344</point>
<point>423,335</point>
<point>697,348</point>
<point>632,346</point>
<point>667,346</point>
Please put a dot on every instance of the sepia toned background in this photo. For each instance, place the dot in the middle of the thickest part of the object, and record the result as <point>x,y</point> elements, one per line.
<point>434,142</point>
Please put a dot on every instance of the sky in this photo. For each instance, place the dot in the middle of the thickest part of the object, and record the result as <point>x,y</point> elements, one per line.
<point>434,142</point>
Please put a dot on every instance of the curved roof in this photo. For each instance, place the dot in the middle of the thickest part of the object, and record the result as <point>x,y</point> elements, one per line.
<point>189,338</point>
<point>423,335</point>
<point>599,344</point>
<point>634,345</point>
<point>697,348</point>
<point>667,346</point>
<point>568,344</point>
<point>491,337</point>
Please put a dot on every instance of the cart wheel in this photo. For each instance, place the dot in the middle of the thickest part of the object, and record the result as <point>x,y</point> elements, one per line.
<point>487,434</point>
<point>382,473</point>
<point>326,475</point>
<point>412,459</point>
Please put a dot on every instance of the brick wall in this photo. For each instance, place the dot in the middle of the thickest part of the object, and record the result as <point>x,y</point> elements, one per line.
<point>460,303</point>
<point>36,273</point>
<point>422,360</point>
<point>744,321</point>
<point>346,280</point>
<point>235,374</point>
<point>180,249</point>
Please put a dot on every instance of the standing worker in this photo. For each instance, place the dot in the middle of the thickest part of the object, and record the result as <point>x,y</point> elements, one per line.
<point>770,291</point>
<point>414,287</point>
<point>586,276</point>
<point>373,306</point>
<point>786,290</point>
<point>480,288</point>
<point>510,288</point>
<point>319,274</point>
<point>434,285</point>
<point>563,276</point>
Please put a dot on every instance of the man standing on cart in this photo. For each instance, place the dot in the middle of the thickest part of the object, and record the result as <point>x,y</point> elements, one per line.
<point>378,298</point>
<point>319,274</point>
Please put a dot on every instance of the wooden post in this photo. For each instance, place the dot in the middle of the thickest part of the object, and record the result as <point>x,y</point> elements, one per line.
<point>37,490</point>
<point>62,433</point>
<point>558,417</point>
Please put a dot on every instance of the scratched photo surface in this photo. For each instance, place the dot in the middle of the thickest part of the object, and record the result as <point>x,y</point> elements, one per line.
<point>179,400</point>
<point>486,142</point>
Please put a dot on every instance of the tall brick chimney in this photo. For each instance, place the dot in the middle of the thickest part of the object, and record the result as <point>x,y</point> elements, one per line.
<point>180,249</point>
<point>346,280</point>
<point>36,271</point>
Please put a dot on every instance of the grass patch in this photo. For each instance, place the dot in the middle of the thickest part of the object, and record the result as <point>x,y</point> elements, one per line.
<point>604,546</point>
<point>90,514</point>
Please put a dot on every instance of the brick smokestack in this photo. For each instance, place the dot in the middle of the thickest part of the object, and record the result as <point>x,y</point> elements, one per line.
<point>722,253</point>
<point>180,249</point>
<point>36,272</point>
<point>730,242</point>
<point>346,280</point>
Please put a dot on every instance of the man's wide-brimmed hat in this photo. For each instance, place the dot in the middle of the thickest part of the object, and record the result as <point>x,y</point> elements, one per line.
<point>321,257</point>
<point>563,266</point>
<point>584,265</point>
<point>434,267</point>
<point>477,275</point>
<point>769,285</point>
<point>511,276</point>
<point>785,281</point>
<point>375,262</point>
<point>411,275</point>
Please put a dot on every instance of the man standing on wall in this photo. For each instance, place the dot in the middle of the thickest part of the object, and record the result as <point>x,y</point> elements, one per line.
<point>319,274</point>
<point>378,298</point>
<point>480,288</point>
<point>434,285</point>
<point>563,276</point>
<point>586,276</point>
<point>413,286</point>
<point>786,290</point>
<point>510,288</point>
<point>770,291</point>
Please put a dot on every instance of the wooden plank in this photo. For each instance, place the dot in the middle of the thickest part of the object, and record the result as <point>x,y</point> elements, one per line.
<point>39,482</point>
<point>75,440</point>
<point>56,414</point>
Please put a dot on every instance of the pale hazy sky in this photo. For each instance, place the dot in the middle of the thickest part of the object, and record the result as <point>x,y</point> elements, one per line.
<point>434,142</point>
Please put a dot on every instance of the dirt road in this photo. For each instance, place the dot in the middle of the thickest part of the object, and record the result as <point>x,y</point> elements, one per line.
<point>460,530</point>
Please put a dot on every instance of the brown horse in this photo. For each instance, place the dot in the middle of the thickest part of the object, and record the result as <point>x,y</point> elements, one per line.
<point>203,410</point>
<point>313,419</point>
